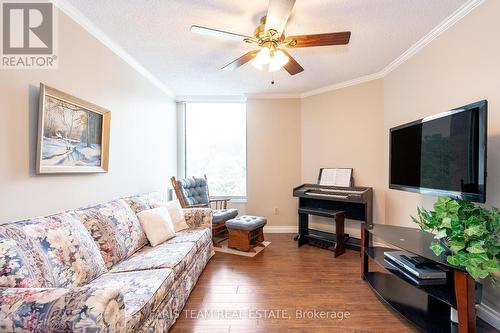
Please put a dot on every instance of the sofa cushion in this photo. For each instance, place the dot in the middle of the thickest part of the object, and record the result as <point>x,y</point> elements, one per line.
<point>115,228</point>
<point>200,237</point>
<point>177,215</point>
<point>144,201</point>
<point>175,256</point>
<point>157,225</point>
<point>66,246</point>
<point>156,199</point>
<point>143,292</point>
<point>78,309</point>
<point>137,203</point>
<point>22,263</point>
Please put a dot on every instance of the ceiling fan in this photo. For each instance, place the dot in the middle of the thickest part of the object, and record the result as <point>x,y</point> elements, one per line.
<point>270,38</point>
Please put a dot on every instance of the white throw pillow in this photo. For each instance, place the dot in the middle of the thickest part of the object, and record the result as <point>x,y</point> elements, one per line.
<point>157,225</point>
<point>177,215</point>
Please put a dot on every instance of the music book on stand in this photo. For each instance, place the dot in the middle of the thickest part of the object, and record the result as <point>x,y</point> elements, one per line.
<point>335,177</point>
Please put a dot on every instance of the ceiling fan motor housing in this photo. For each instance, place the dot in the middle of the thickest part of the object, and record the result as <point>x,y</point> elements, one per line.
<point>269,38</point>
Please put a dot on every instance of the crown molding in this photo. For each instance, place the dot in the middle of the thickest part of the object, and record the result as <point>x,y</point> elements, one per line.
<point>450,21</point>
<point>83,21</point>
<point>211,99</point>
<point>272,96</point>
<point>344,84</point>
<point>232,98</point>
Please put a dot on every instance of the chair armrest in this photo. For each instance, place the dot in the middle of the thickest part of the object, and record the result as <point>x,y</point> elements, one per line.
<point>198,217</point>
<point>81,309</point>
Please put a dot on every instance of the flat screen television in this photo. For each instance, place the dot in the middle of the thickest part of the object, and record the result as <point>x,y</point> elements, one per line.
<point>443,154</point>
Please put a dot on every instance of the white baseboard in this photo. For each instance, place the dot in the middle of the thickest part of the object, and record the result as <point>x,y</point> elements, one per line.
<point>489,315</point>
<point>278,229</point>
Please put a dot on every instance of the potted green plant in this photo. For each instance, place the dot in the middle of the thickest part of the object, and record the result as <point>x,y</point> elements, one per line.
<point>469,234</point>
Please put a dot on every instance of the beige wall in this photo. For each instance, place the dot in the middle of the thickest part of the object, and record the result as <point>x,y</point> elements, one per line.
<point>460,67</point>
<point>273,159</point>
<point>344,128</point>
<point>142,152</point>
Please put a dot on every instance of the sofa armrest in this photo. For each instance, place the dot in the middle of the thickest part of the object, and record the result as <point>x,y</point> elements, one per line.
<point>198,217</point>
<point>81,309</point>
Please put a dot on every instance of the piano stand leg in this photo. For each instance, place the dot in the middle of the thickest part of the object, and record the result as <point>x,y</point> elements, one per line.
<point>296,237</point>
<point>340,237</point>
<point>303,229</point>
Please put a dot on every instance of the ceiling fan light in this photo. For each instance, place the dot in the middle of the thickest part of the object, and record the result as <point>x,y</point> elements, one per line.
<point>257,64</point>
<point>265,55</point>
<point>262,58</point>
<point>273,67</point>
<point>279,60</point>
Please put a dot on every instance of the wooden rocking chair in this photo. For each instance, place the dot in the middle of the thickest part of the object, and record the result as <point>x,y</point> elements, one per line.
<point>193,192</point>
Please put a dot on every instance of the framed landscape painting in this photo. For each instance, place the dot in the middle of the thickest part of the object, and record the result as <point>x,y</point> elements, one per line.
<point>73,134</point>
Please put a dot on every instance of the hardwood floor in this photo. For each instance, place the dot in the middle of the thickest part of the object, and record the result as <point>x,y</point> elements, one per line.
<point>264,293</point>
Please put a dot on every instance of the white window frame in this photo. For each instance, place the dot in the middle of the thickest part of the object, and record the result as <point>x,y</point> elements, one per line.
<point>182,123</point>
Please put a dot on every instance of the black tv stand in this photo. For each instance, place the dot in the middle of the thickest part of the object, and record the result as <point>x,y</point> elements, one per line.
<point>427,307</point>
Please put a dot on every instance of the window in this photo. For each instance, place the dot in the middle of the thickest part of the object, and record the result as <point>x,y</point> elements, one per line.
<point>216,146</point>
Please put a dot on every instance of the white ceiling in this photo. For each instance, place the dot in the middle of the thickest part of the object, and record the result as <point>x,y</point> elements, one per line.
<point>156,33</point>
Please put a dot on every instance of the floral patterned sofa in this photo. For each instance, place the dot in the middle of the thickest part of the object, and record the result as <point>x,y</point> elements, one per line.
<point>91,270</point>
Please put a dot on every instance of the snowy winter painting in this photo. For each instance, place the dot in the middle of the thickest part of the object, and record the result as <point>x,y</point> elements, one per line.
<point>73,134</point>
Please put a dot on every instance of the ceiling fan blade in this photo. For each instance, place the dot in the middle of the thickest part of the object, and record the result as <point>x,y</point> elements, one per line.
<point>217,33</point>
<point>278,13</point>
<point>335,38</point>
<point>241,60</point>
<point>292,66</point>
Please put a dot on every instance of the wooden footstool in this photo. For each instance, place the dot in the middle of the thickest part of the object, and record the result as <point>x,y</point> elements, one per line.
<point>245,232</point>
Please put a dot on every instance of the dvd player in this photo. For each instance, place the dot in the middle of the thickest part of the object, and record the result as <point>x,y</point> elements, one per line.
<point>415,265</point>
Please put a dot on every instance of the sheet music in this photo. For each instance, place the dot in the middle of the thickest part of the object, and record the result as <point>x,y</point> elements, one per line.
<point>336,177</point>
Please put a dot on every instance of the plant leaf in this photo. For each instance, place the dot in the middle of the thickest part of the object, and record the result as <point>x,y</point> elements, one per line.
<point>437,248</point>
<point>446,222</point>
<point>453,260</point>
<point>475,230</point>
<point>477,272</point>
<point>440,234</point>
<point>453,207</point>
<point>469,230</point>
<point>492,266</point>
<point>476,247</point>
<point>456,246</point>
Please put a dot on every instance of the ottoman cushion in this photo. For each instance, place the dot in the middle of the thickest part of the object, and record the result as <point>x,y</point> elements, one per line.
<point>246,222</point>
<point>221,215</point>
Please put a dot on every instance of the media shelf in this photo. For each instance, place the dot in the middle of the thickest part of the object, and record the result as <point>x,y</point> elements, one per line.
<point>442,292</point>
<point>428,307</point>
<point>412,303</point>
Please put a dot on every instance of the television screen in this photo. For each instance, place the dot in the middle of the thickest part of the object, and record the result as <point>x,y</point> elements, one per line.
<point>442,155</point>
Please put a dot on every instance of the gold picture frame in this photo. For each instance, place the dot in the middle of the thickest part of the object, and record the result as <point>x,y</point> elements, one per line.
<point>73,134</point>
